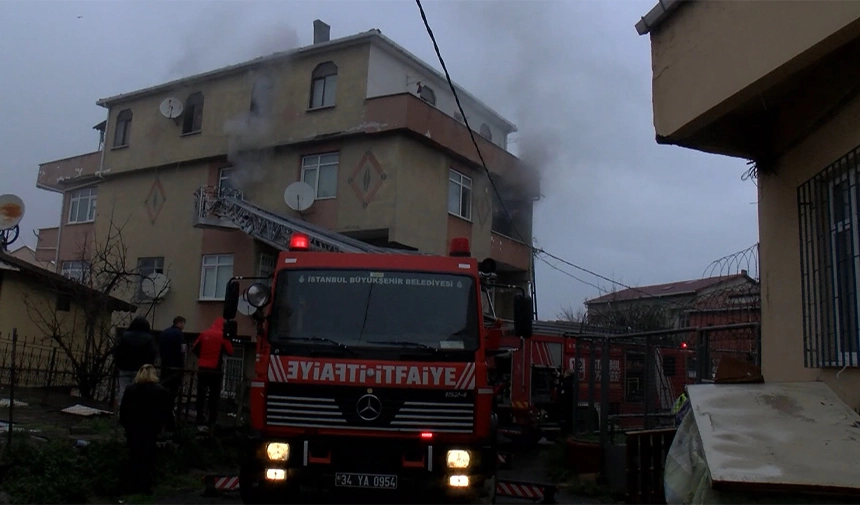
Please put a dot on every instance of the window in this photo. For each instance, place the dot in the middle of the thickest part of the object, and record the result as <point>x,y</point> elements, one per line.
<point>323,85</point>
<point>82,205</point>
<point>216,270</point>
<point>829,212</point>
<point>192,117</point>
<point>122,128</point>
<point>145,268</point>
<point>486,132</point>
<point>261,97</point>
<point>459,194</point>
<point>427,94</point>
<point>225,182</point>
<point>670,366</point>
<point>77,270</point>
<point>266,267</point>
<point>320,171</point>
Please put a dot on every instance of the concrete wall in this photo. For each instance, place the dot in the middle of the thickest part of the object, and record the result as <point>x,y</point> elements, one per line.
<point>712,55</point>
<point>782,325</point>
<point>155,140</point>
<point>29,306</point>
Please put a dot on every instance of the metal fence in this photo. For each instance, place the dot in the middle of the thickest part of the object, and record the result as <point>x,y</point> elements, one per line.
<point>632,381</point>
<point>29,363</point>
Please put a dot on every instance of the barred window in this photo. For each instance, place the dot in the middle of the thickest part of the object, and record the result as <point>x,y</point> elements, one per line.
<point>829,217</point>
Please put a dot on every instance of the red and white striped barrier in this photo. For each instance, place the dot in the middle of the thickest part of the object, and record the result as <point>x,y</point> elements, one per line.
<point>220,483</point>
<point>528,491</point>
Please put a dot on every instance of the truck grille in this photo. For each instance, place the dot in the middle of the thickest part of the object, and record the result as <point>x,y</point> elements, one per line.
<point>399,410</point>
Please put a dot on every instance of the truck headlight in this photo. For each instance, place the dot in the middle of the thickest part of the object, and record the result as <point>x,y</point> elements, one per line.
<point>458,459</point>
<point>278,451</point>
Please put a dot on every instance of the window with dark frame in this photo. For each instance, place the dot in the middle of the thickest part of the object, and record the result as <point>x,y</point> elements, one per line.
<point>192,116</point>
<point>829,221</point>
<point>670,366</point>
<point>323,85</point>
<point>145,268</point>
<point>459,194</point>
<point>122,128</point>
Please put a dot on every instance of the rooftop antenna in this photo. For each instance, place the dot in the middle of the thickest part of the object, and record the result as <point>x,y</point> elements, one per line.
<point>299,196</point>
<point>11,213</point>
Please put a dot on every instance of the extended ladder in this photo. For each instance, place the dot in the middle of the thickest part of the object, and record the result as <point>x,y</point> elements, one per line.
<point>270,228</point>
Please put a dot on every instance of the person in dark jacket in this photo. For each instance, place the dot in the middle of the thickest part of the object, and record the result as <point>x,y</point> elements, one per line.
<point>172,353</point>
<point>144,412</point>
<point>210,348</point>
<point>136,347</point>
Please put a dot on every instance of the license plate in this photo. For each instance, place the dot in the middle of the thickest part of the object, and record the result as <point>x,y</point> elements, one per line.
<point>365,480</point>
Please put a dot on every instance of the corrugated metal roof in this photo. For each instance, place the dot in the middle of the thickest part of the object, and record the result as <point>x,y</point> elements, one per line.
<point>690,287</point>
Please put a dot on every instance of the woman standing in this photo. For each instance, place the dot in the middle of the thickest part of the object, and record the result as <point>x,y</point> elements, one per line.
<point>144,412</point>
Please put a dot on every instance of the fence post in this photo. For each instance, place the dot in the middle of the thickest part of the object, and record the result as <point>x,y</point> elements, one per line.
<point>604,393</point>
<point>575,392</point>
<point>701,356</point>
<point>52,368</point>
<point>12,388</point>
<point>648,379</point>
<point>591,386</point>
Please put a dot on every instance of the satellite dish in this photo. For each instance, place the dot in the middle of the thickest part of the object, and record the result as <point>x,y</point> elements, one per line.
<point>11,211</point>
<point>299,196</point>
<point>245,307</point>
<point>155,286</point>
<point>171,108</point>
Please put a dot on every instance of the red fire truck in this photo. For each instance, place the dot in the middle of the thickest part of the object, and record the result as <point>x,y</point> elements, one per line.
<point>372,374</point>
<point>529,408</point>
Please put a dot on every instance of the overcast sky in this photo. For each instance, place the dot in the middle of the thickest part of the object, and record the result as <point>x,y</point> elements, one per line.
<point>574,76</point>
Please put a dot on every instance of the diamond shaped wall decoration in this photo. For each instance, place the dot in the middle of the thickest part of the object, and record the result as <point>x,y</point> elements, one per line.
<point>155,200</point>
<point>367,178</point>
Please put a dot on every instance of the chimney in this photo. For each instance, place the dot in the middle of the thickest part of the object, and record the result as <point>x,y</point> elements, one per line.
<point>322,32</point>
<point>744,273</point>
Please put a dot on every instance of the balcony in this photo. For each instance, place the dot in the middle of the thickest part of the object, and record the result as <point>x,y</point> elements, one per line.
<point>426,122</point>
<point>509,254</point>
<point>46,244</point>
<point>59,175</point>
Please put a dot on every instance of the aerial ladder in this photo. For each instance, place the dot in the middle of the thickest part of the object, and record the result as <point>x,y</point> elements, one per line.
<point>217,207</point>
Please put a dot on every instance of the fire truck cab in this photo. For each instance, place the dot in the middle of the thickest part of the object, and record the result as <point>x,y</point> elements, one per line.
<point>372,376</point>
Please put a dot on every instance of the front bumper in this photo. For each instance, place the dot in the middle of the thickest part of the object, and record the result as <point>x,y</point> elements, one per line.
<point>420,467</point>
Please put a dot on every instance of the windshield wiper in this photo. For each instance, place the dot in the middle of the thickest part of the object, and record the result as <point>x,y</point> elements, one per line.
<point>328,340</point>
<point>404,343</point>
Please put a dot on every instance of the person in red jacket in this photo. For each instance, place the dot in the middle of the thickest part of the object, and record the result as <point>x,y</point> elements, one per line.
<point>210,348</point>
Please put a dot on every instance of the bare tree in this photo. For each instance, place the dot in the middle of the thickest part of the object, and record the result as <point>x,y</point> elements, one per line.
<point>573,315</point>
<point>633,316</point>
<point>81,317</point>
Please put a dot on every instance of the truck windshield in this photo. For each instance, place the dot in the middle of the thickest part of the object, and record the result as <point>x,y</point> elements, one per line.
<point>372,308</point>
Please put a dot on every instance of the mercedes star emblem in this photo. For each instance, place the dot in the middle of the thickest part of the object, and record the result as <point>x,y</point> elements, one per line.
<point>368,407</point>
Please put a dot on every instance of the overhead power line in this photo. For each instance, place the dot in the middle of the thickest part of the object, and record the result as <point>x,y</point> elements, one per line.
<point>493,184</point>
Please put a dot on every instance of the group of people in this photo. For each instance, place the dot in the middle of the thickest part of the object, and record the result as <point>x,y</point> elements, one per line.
<point>146,403</point>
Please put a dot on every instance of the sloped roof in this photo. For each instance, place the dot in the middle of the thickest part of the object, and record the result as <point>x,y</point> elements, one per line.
<point>56,281</point>
<point>690,287</point>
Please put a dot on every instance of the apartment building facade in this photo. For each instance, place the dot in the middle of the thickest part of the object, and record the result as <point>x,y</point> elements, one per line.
<point>777,83</point>
<point>371,128</point>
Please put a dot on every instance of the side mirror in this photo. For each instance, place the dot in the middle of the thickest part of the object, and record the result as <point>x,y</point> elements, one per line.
<point>487,266</point>
<point>231,328</point>
<point>523,315</point>
<point>231,300</point>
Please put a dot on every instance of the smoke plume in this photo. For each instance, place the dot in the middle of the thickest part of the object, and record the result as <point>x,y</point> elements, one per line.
<point>556,76</point>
